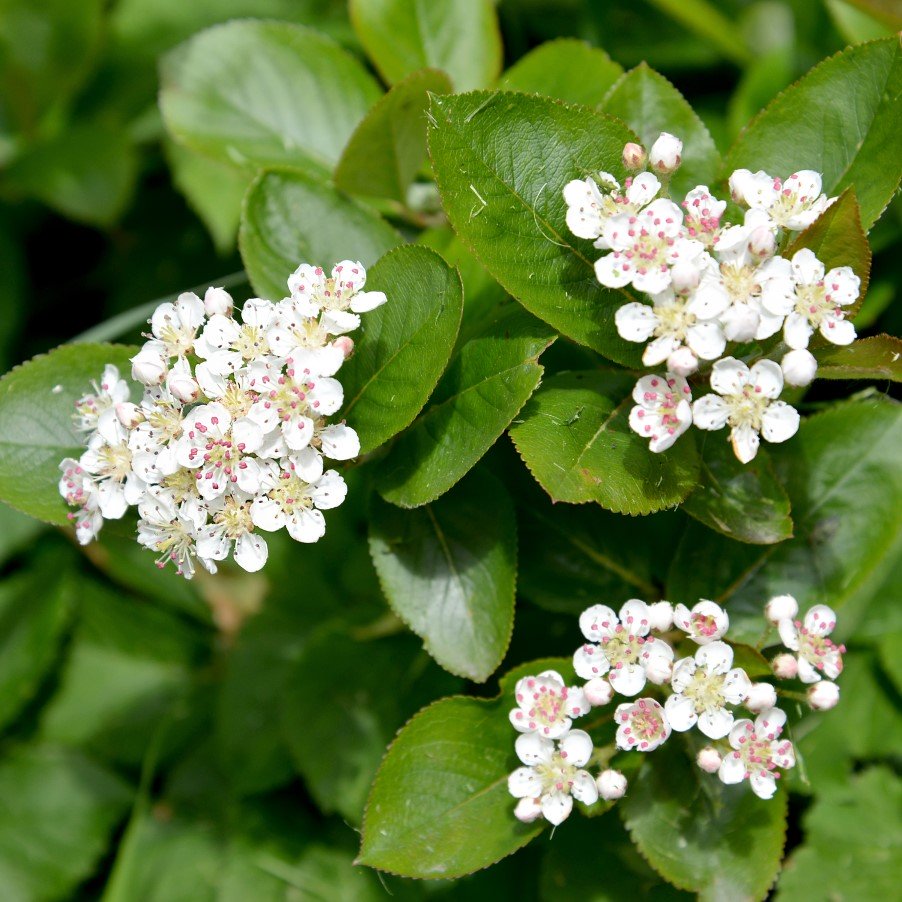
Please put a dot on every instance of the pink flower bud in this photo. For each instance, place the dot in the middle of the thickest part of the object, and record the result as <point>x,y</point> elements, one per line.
<point>762,242</point>
<point>665,156</point>
<point>148,368</point>
<point>660,616</point>
<point>823,695</point>
<point>611,785</point>
<point>685,277</point>
<point>762,697</point>
<point>217,300</point>
<point>183,387</point>
<point>598,691</point>
<point>785,666</point>
<point>799,367</point>
<point>527,810</point>
<point>709,759</point>
<point>345,344</point>
<point>781,607</point>
<point>129,414</point>
<point>634,156</point>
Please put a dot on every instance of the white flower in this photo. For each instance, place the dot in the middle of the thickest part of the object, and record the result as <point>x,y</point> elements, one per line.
<point>662,412</point>
<point>757,753</point>
<point>598,691</point>
<point>218,300</point>
<point>799,367</point>
<point>170,530</point>
<point>546,705</point>
<point>645,245</point>
<point>292,333</point>
<point>792,204</point>
<point>785,666</point>
<point>815,653</point>
<point>78,490</point>
<point>232,530</point>
<point>665,154</point>
<point>823,695</point>
<point>625,653</point>
<point>589,206</point>
<point>660,616</point>
<point>702,214</point>
<point>149,365</point>
<point>761,697</point>
<point>642,725</point>
<point>92,411</point>
<point>703,686</point>
<point>705,623</point>
<point>817,302</point>
<point>175,325</point>
<point>611,785</point>
<point>334,296</point>
<point>709,759</point>
<point>748,404</point>
<point>181,383</point>
<point>110,465</point>
<point>552,777</point>
<point>781,607</point>
<point>676,322</point>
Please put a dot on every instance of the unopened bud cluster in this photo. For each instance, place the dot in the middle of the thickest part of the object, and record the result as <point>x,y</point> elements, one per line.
<point>232,431</point>
<point>664,693</point>
<point>711,283</point>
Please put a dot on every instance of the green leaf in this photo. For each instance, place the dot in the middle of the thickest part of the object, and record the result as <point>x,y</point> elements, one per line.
<point>290,218</point>
<point>442,785</point>
<point>501,162</point>
<point>338,733</point>
<point>389,146</point>
<point>885,11</point>
<point>566,69</point>
<point>460,37</point>
<point>576,441</point>
<point>253,93</point>
<point>86,173</point>
<point>16,531</point>
<point>743,501</point>
<point>877,357</point>
<point>854,25</point>
<point>486,384</point>
<point>842,119</point>
<point>705,19</point>
<point>845,486</point>
<point>451,584</point>
<point>37,401</point>
<point>649,104</point>
<point>860,864</point>
<point>34,611</point>
<point>722,842</point>
<point>59,809</point>
<point>837,238</point>
<point>404,345</point>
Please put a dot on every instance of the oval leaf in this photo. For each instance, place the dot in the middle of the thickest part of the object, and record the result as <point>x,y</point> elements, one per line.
<point>878,357</point>
<point>37,401</point>
<point>485,386</point>
<point>501,162</point>
<point>452,584</point>
<point>291,218</point>
<point>649,104</point>
<point>405,344</point>
<point>842,119</point>
<point>254,93</point>
<point>577,443</point>
<point>460,37</point>
<point>388,147</point>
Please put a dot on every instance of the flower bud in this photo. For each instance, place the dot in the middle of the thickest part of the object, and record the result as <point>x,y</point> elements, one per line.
<point>217,300</point>
<point>611,785</point>
<point>785,666</point>
<point>762,242</point>
<point>762,697</point>
<point>634,156</point>
<point>739,182</point>
<point>823,695</point>
<point>799,367</point>
<point>129,414</point>
<point>660,616</point>
<point>527,810</point>
<point>345,344</point>
<point>665,156</point>
<point>709,759</point>
<point>183,387</point>
<point>598,691</point>
<point>682,362</point>
<point>659,669</point>
<point>781,607</point>
<point>148,368</point>
<point>685,277</point>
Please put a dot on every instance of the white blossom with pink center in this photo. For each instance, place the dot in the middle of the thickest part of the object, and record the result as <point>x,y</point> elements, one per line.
<point>815,653</point>
<point>621,649</point>
<point>702,215</point>
<point>706,622</point>
<point>757,753</point>
<point>337,298</point>
<point>77,488</point>
<point>703,687</point>
<point>663,410</point>
<point>642,725</point>
<point>546,705</point>
<point>98,409</point>
<point>746,401</point>
<point>552,776</point>
<point>791,204</point>
<point>644,247</point>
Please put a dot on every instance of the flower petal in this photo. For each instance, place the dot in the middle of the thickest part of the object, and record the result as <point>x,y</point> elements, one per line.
<point>576,747</point>
<point>524,783</point>
<point>710,412</point>
<point>680,713</point>
<point>745,442</point>
<point>779,422</point>
<point>533,749</point>
<point>729,376</point>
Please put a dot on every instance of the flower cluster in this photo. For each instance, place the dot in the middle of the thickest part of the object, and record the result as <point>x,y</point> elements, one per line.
<point>232,431</point>
<point>710,283</point>
<point>701,689</point>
